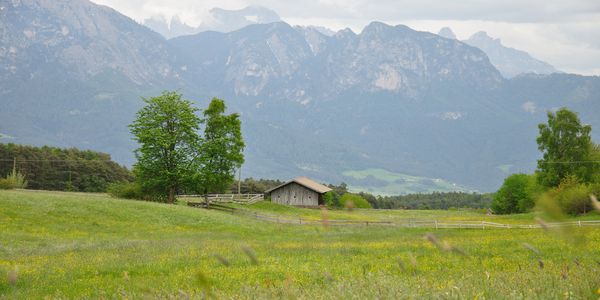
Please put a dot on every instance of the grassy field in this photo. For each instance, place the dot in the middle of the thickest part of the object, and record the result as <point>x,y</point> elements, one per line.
<point>63,245</point>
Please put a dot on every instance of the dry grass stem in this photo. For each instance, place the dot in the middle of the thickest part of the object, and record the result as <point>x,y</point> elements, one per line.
<point>251,255</point>
<point>222,260</point>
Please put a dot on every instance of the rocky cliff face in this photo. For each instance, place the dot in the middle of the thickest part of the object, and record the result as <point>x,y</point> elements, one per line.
<point>314,103</point>
<point>79,38</point>
<point>511,62</point>
<point>380,58</point>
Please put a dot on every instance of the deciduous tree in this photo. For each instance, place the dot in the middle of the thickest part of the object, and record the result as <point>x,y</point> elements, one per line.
<point>566,146</point>
<point>221,150</point>
<point>167,130</point>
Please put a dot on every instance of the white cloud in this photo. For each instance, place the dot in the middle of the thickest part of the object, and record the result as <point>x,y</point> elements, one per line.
<point>529,107</point>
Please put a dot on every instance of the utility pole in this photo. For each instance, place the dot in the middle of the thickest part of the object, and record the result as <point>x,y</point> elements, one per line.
<point>15,165</point>
<point>239,180</point>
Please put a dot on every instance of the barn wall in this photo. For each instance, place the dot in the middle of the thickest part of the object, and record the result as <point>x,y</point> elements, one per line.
<point>295,194</point>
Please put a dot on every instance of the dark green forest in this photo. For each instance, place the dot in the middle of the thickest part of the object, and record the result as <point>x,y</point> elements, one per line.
<point>435,200</point>
<point>51,168</point>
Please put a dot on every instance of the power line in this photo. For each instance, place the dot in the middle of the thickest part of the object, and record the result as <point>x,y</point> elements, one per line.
<point>58,160</point>
<point>569,162</point>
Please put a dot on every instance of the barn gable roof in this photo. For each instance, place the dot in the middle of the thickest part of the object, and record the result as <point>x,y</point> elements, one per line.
<point>305,182</point>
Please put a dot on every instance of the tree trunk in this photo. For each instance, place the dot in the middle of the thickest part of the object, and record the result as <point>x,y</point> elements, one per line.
<point>171,199</point>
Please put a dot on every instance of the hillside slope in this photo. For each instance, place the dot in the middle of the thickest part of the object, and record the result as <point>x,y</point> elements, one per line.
<point>70,245</point>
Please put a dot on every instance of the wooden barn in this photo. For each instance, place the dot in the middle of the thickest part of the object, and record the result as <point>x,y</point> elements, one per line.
<point>300,191</point>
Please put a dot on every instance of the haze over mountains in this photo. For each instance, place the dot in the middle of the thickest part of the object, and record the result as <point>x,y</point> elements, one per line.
<point>388,109</point>
<point>509,61</point>
<point>221,20</point>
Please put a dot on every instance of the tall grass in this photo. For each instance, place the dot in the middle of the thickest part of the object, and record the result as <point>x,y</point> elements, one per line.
<point>73,246</point>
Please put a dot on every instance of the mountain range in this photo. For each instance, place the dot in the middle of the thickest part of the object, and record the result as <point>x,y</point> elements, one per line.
<point>388,110</point>
<point>221,20</point>
<point>509,61</point>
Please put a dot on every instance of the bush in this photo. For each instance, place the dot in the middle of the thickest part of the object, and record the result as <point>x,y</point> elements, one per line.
<point>5,184</point>
<point>331,199</point>
<point>574,200</point>
<point>14,180</point>
<point>127,190</point>
<point>570,197</point>
<point>517,194</point>
<point>353,200</point>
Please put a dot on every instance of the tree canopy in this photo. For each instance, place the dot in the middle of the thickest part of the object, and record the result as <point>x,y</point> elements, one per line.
<point>221,152</point>
<point>167,130</point>
<point>516,194</point>
<point>566,146</point>
<point>174,157</point>
<point>51,168</point>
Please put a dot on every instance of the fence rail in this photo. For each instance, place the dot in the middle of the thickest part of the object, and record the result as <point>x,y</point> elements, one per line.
<point>229,198</point>
<point>408,223</point>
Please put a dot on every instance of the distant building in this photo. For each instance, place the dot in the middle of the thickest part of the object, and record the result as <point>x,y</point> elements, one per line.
<point>300,191</point>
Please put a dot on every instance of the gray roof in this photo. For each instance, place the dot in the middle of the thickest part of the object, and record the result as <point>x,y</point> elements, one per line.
<point>305,182</point>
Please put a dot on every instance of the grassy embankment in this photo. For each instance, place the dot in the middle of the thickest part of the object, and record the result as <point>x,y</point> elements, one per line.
<point>76,245</point>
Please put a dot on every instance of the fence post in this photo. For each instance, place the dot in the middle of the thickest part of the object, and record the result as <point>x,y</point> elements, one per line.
<point>483,225</point>
<point>300,218</point>
<point>579,223</point>
<point>367,222</point>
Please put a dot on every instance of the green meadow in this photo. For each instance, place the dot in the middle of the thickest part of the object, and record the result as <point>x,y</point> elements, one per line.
<point>75,245</point>
<point>383,182</point>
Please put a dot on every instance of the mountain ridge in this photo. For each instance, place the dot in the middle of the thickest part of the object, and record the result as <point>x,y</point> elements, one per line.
<point>388,97</point>
<point>510,62</point>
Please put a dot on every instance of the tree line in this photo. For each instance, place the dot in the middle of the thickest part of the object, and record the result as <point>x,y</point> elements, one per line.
<point>435,200</point>
<point>52,168</point>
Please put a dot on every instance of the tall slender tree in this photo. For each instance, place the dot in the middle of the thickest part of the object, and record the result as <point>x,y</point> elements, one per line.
<point>221,150</point>
<point>566,146</point>
<point>167,130</point>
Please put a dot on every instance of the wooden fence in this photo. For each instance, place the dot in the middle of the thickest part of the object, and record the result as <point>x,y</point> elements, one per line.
<point>408,223</point>
<point>227,198</point>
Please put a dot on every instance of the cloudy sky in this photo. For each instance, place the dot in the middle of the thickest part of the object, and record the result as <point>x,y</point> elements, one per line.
<point>565,33</point>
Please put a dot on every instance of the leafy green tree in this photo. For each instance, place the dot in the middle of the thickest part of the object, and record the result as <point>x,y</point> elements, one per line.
<point>353,200</point>
<point>331,199</point>
<point>167,130</point>
<point>515,195</point>
<point>566,147</point>
<point>221,149</point>
<point>595,158</point>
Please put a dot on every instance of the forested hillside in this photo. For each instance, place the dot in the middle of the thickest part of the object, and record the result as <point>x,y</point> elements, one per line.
<point>50,168</point>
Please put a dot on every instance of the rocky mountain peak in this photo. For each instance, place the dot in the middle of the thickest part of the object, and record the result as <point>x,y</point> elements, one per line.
<point>376,27</point>
<point>509,61</point>
<point>481,37</point>
<point>81,38</point>
<point>447,33</point>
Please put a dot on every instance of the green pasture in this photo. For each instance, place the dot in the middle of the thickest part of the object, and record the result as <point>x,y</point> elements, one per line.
<point>383,182</point>
<point>70,245</point>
